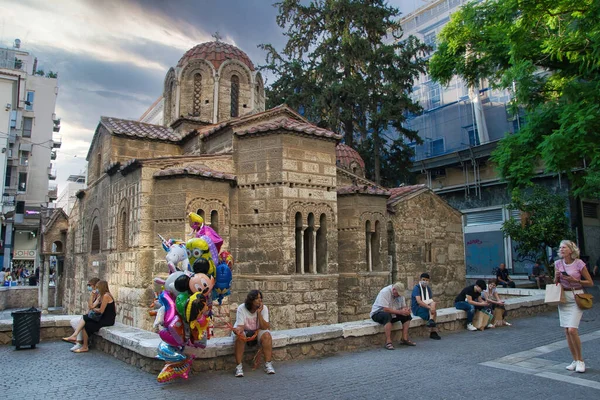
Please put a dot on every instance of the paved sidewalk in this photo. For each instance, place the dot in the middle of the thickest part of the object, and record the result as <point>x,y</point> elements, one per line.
<point>461,365</point>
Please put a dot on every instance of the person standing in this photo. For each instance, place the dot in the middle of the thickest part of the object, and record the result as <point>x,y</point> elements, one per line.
<point>2,276</point>
<point>423,306</point>
<point>572,275</point>
<point>389,307</point>
<point>469,300</point>
<point>252,320</point>
<point>502,277</point>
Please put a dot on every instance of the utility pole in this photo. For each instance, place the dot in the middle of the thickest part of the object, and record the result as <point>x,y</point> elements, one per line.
<point>44,284</point>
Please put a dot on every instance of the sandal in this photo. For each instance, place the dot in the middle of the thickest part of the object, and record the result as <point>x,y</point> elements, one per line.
<point>407,343</point>
<point>81,351</point>
<point>69,340</point>
<point>389,346</point>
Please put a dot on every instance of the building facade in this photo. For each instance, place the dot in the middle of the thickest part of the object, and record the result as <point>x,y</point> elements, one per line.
<point>67,197</point>
<point>291,203</point>
<point>27,125</point>
<point>461,127</point>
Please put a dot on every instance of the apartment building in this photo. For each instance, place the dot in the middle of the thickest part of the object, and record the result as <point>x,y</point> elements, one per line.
<point>460,127</point>
<point>28,124</point>
<point>67,197</point>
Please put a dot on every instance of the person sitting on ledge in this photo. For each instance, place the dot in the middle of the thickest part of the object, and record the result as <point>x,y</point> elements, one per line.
<point>538,273</point>
<point>389,307</point>
<point>423,306</point>
<point>252,321</point>
<point>493,298</point>
<point>469,300</point>
<point>502,277</point>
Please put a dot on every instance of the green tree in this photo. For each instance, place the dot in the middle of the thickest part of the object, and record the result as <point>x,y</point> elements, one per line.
<point>344,66</point>
<point>543,223</point>
<point>548,53</point>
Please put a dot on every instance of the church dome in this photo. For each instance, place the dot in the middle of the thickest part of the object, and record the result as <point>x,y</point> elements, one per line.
<point>215,53</point>
<point>349,159</point>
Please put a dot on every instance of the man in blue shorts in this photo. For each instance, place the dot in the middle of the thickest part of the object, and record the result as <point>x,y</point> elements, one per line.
<point>423,306</point>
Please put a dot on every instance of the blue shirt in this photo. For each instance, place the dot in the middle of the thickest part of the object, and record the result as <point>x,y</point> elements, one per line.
<point>413,298</point>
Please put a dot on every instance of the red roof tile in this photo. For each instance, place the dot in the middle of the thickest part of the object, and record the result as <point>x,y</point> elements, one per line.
<point>401,191</point>
<point>290,124</point>
<point>140,129</point>
<point>195,170</point>
<point>362,189</point>
<point>216,53</point>
<point>345,155</point>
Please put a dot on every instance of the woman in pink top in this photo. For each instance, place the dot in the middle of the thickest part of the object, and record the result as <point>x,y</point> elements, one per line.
<point>572,274</point>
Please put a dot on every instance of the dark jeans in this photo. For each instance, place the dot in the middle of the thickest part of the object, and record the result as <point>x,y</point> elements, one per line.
<point>469,308</point>
<point>509,284</point>
<point>384,318</point>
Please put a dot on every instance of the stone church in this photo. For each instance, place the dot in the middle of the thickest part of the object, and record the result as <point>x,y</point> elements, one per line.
<point>289,199</point>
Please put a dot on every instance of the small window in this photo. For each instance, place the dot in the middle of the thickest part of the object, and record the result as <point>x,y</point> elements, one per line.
<point>8,176</point>
<point>95,239</point>
<point>590,210</point>
<point>484,217</point>
<point>235,96</point>
<point>29,100</point>
<point>473,137</point>
<point>436,147</point>
<point>24,158</point>
<point>429,39</point>
<point>27,126</point>
<point>214,220</point>
<point>22,182</point>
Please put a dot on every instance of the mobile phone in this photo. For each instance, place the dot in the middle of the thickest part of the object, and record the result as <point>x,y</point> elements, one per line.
<point>564,273</point>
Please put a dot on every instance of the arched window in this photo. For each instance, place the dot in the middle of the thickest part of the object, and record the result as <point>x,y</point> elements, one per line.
<point>309,245</point>
<point>375,258</point>
<point>197,101</point>
<point>122,233</point>
<point>299,244</point>
<point>200,212</point>
<point>214,220</point>
<point>392,250</point>
<point>322,245</point>
<point>57,247</point>
<point>235,96</point>
<point>95,239</point>
<point>172,102</point>
<point>369,251</point>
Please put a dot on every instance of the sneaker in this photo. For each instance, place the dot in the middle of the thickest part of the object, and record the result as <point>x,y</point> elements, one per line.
<point>471,327</point>
<point>572,366</point>
<point>269,368</point>
<point>580,367</point>
<point>434,335</point>
<point>239,371</point>
<point>431,324</point>
<point>76,347</point>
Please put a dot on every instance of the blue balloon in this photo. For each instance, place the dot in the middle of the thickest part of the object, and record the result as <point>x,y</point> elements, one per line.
<point>223,282</point>
<point>169,353</point>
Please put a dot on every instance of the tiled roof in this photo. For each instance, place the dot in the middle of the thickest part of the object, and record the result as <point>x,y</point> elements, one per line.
<point>138,129</point>
<point>216,53</point>
<point>402,191</point>
<point>290,124</point>
<point>345,154</point>
<point>196,170</point>
<point>362,189</point>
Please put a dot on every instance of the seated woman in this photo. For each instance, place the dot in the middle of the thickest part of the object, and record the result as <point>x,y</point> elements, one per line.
<point>252,321</point>
<point>87,326</point>
<point>492,297</point>
<point>92,302</point>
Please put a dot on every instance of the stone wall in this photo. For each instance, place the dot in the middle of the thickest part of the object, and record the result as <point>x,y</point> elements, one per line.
<point>428,238</point>
<point>226,71</point>
<point>22,297</point>
<point>197,99</point>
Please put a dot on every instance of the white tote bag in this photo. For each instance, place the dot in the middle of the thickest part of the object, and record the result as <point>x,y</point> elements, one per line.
<point>554,294</point>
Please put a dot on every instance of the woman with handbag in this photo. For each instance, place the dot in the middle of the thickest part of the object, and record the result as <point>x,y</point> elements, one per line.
<point>98,317</point>
<point>77,323</point>
<point>572,275</point>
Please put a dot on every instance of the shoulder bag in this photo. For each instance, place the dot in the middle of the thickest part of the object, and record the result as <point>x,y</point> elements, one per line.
<point>584,300</point>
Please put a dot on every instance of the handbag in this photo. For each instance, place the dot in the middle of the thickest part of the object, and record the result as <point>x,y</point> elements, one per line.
<point>584,300</point>
<point>94,316</point>
<point>554,294</point>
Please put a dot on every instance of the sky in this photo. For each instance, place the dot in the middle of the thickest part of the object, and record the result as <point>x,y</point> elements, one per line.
<point>111,56</point>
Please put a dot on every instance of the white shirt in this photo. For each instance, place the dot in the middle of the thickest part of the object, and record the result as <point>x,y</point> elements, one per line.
<point>385,298</point>
<point>249,320</point>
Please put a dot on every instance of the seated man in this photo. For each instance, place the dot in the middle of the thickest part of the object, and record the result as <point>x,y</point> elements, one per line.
<point>538,273</point>
<point>423,306</point>
<point>502,277</point>
<point>252,321</point>
<point>469,300</point>
<point>389,307</point>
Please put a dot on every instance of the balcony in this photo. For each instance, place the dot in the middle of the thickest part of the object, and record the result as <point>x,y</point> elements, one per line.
<point>53,155</point>
<point>51,174</point>
<point>56,143</point>
<point>52,193</point>
<point>56,128</point>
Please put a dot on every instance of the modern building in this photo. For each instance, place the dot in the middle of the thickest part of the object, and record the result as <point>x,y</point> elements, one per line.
<point>460,127</point>
<point>28,145</point>
<point>67,197</point>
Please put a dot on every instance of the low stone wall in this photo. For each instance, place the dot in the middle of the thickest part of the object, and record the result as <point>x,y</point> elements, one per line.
<point>21,296</point>
<point>138,347</point>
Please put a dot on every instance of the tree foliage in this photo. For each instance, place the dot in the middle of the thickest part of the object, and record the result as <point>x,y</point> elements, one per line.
<point>344,68</point>
<point>548,53</point>
<point>543,223</point>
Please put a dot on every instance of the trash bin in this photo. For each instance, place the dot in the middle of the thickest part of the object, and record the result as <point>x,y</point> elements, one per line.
<point>26,327</point>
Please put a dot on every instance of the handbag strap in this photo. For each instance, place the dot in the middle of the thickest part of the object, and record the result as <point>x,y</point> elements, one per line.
<point>581,286</point>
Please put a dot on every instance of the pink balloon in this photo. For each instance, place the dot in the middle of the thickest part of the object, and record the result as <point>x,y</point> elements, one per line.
<point>167,301</point>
